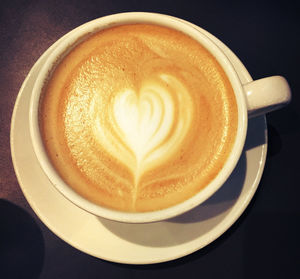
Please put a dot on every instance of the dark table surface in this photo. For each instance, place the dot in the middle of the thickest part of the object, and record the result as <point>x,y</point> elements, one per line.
<point>265,36</point>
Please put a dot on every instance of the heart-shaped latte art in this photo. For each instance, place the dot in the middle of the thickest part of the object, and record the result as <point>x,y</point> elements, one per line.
<point>144,129</point>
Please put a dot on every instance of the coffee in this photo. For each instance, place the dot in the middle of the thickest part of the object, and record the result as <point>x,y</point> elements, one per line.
<point>138,117</point>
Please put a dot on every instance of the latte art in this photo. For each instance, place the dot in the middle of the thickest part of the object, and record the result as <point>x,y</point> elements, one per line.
<point>142,132</point>
<point>138,118</point>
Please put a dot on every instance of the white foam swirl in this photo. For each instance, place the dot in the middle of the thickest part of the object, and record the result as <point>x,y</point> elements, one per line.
<point>145,128</point>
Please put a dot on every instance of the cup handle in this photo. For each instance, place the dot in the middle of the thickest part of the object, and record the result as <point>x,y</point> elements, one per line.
<point>266,94</point>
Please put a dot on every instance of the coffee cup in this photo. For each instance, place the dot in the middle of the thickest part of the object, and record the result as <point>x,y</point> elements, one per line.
<point>140,117</point>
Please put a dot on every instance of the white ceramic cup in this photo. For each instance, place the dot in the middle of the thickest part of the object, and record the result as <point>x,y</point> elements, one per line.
<point>254,98</point>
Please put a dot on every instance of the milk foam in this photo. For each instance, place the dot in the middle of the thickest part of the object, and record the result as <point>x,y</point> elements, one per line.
<point>139,118</point>
<point>144,122</point>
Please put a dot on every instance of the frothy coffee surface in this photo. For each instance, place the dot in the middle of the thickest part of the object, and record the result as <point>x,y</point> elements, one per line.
<point>138,118</point>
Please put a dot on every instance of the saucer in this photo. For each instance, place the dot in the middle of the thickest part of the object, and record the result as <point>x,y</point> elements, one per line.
<point>136,243</point>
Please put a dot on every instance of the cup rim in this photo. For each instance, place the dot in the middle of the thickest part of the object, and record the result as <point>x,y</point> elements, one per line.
<point>76,36</point>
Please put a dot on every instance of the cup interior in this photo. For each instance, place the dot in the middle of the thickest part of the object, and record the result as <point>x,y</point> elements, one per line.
<point>81,33</point>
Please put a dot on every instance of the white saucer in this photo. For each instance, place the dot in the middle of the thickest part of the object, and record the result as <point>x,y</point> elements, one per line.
<point>141,243</point>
